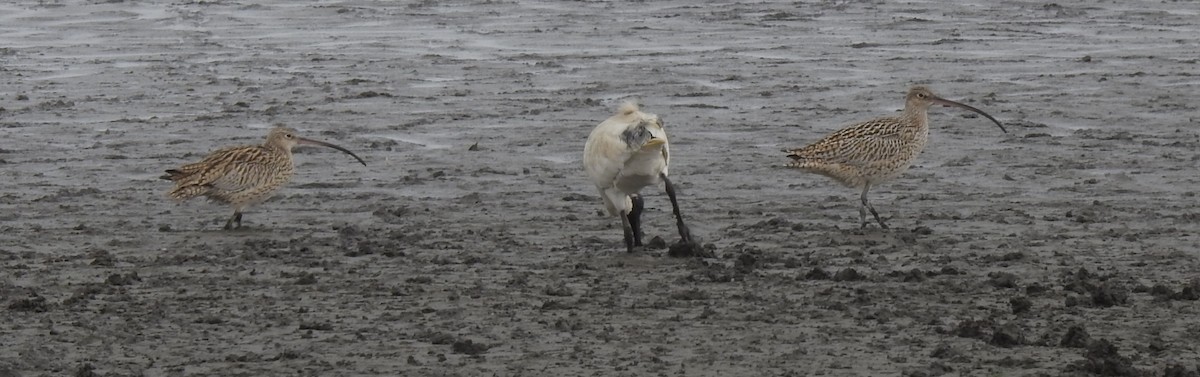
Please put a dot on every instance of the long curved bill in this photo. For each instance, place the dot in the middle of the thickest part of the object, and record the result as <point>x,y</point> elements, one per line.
<point>946,102</point>
<point>324,144</point>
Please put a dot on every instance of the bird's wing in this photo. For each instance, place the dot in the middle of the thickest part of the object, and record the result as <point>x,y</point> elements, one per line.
<point>604,155</point>
<point>222,171</point>
<point>243,175</point>
<point>855,145</point>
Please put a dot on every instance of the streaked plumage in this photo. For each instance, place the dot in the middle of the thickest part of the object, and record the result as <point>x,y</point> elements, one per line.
<point>242,175</point>
<point>869,153</point>
<point>624,154</point>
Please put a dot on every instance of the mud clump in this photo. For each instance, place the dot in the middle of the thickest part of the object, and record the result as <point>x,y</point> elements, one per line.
<point>119,279</point>
<point>1100,292</point>
<point>656,243</point>
<point>974,328</point>
<point>85,293</point>
<point>1020,304</point>
<point>848,274</point>
<point>1103,359</point>
<point>1189,292</point>
<point>745,263</point>
<point>915,275</point>
<point>436,337</point>
<point>86,370</point>
<point>1108,295</point>
<point>1176,370</point>
<point>690,249</point>
<point>1002,280</point>
<point>1076,337</point>
<point>948,352</point>
<point>1035,289</point>
<point>934,369</point>
<point>1007,336</point>
<point>102,258</point>
<point>390,215</point>
<point>305,278</point>
<point>817,274</point>
<point>34,303</point>
<point>469,347</point>
<point>559,290</point>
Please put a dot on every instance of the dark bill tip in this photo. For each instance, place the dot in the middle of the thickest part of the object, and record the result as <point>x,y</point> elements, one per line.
<point>324,144</point>
<point>947,102</point>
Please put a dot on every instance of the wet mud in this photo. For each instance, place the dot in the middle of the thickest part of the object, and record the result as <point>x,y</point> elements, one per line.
<point>472,244</point>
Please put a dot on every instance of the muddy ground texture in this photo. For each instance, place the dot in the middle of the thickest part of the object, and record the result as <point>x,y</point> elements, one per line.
<point>472,244</point>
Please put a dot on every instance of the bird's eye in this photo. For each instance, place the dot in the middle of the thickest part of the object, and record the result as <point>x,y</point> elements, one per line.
<point>920,95</point>
<point>289,136</point>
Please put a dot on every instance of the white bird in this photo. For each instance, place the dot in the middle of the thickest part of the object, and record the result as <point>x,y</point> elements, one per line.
<point>624,154</point>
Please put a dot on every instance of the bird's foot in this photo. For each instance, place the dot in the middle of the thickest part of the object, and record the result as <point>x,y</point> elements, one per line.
<point>236,218</point>
<point>864,224</point>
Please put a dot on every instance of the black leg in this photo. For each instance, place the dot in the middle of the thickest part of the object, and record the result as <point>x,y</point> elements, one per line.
<point>862,208</point>
<point>237,217</point>
<point>685,235</point>
<point>635,218</point>
<point>628,232</point>
<point>866,205</point>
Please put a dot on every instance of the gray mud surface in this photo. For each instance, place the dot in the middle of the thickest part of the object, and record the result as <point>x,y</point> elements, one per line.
<point>1067,246</point>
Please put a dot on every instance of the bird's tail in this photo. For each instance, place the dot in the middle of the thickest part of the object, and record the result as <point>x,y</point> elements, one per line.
<point>797,157</point>
<point>185,192</point>
<point>183,189</point>
<point>628,107</point>
<point>173,175</point>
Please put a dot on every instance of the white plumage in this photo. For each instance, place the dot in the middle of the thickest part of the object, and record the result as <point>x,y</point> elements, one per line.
<point>624,154</point>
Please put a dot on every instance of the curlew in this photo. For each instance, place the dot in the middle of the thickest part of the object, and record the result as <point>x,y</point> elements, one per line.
<point>869,153</point>
<point>624,154</point>
<point>243,175</point>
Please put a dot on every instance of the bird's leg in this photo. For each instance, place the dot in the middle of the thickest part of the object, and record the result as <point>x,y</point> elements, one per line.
<point>862,216</point>
<point>862,208</point>
<point>628,231</point>
<point>866,205</point>
<point>237,217</point>
<point>635,218</point>
<point>685,235</point>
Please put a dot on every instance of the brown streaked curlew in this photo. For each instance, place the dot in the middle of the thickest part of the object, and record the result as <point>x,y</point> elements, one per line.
<point>243,175</point>
<point>869,153</point>
<point>624,154</point>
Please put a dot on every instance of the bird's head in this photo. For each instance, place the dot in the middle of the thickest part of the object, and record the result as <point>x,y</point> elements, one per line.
<point>920,98</point>
<point>283,138</point>
<point>654,134</point>
<point>286,138</point>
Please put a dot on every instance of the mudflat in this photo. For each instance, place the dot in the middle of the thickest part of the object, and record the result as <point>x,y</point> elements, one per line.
<point>472,243</point>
